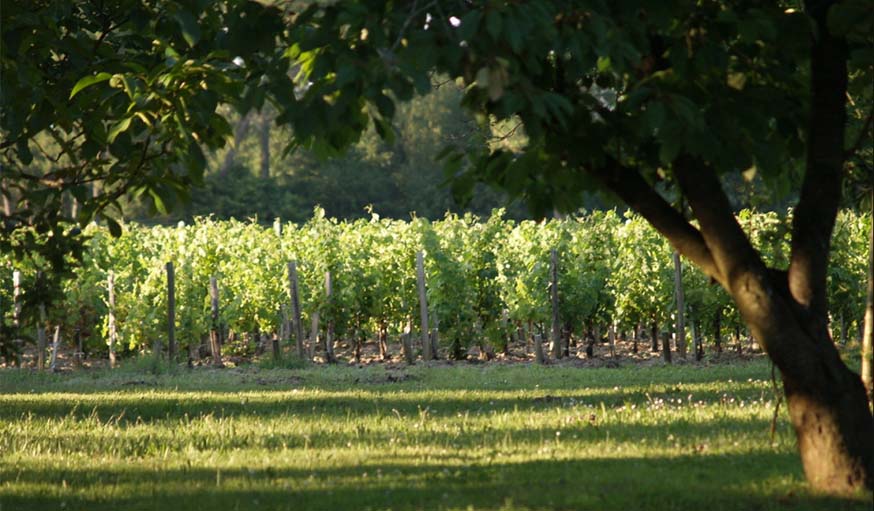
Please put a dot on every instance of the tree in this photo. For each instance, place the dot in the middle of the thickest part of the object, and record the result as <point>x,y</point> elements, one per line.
<point>643,97</point>
<point>633,93</point>
<point>120,98</point>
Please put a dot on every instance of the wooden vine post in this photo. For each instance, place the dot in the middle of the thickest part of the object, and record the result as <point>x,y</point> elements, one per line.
<point>538,350</point>
<point>435,336</point>
<point>113,333</point>
<point>555,334</point>
<point>295,307</point>
<point>329,334</point>
<point>215,328</point>
<point>56,345</point>
<point>314,333</point>
<point>666,347</point>
<point>171,312</point>
<point>41,339</point>
<point>407,343</point>
<point>423,307</point>
<point>79,356</point>
<point>283,332</point>
<point>16,314</point>
<point>681,305</point>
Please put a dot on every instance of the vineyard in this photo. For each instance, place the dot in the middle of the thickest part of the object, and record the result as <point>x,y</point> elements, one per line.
<point>483,287</point>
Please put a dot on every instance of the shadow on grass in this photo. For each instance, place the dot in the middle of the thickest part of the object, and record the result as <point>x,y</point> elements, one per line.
<point>174,405</point>
<point>712,483</point>
<point>443,376</point>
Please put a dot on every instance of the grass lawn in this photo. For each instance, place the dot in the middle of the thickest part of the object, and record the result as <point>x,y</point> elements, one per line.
<point>502,437</point>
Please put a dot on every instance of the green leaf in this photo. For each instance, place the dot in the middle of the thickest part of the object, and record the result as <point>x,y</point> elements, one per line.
<point>87,81</point>
<point>469,25</point>
<point>493,24</point>
<point>114,227</point>
<point>160,205</point>
<point>190,28</point>
<point>118,129</point>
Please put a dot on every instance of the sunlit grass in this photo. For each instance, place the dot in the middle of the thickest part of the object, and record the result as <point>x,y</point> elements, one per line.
<point>460,437</point>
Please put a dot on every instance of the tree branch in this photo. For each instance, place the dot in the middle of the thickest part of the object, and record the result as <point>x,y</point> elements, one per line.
<point>820,197</point>
<point>730,248</point>
<point>630,186</point>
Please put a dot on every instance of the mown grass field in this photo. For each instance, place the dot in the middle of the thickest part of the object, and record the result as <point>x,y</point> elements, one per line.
<point>460,437</point>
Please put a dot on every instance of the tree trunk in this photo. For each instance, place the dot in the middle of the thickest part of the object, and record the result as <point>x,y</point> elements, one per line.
<point>827,403</point>
<point>786,311</point>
